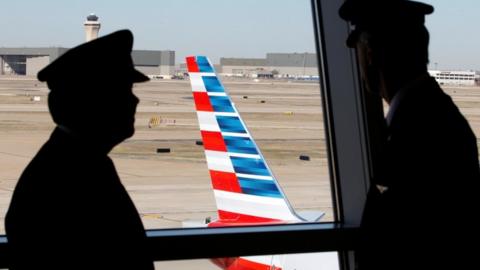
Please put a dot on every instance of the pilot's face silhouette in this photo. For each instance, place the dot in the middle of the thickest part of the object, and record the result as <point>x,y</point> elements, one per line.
<point>366,63</point>
<point>116,111</point>
<point>100,111</point>
<point>370,65</point>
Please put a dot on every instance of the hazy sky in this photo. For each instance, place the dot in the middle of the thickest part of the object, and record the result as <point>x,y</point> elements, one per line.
<point>454,37</point>
<point>241,28</point>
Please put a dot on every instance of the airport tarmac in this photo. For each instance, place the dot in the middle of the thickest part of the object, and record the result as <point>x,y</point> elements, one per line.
<point>170,188</point>
<point>285,118</point>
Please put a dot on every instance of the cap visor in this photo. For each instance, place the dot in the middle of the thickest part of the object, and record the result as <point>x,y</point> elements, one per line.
<point>139,77</point>
<point>353,38</point>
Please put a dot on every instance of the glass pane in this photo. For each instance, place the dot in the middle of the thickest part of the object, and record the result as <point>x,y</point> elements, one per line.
<point>451,61</point>
<point>306,261</point>
<point>268,66</point>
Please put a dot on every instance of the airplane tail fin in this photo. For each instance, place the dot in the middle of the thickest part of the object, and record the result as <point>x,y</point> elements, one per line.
<point>245,189</point>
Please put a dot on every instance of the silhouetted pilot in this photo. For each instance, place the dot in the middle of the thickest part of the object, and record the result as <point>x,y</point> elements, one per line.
<point>69,209</point>
<point>421,208</point>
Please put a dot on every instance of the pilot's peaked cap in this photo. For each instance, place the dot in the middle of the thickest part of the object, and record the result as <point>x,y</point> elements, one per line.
<point>104,58</point>
<point>383,15</point>
<point>361,12</point>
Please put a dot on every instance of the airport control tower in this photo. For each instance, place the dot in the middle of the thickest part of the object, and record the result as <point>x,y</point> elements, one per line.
<point>92,26</point>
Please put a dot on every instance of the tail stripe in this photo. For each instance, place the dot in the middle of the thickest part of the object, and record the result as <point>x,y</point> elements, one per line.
<point>230,124</point>
<point>212,84</point>
<point>225,181</point>
<point>238,135</point>
<point>259,187</point>
<point>250,166</point>
<point>221,104</point>
<point>202,102</point>
<point>258,206</point>
<point>240,145</point>
<point>208,121</point>
<point>213,141</point>
<point>231,154</point>
<point>219,161</point>
<point>226,114</point>
<point>251,176</point>
<point>213,94</point>
<point>192,64</point>
<point>197,83</point>
<point>203,64</point>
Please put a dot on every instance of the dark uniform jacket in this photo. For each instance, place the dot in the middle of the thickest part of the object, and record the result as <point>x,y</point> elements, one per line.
<point>70,211</point>
<point>425,216</point>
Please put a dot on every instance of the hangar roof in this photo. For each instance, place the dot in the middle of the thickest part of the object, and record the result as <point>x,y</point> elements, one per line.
<point>292,59</point>
<point>140,57</point>
<point>243,61</point>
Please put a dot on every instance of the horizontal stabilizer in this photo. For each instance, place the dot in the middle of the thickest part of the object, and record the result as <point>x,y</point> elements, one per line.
<point>311,216</point>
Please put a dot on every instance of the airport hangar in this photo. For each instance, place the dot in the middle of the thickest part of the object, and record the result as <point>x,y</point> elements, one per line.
<point>28,61</point>
<point>283,65</point>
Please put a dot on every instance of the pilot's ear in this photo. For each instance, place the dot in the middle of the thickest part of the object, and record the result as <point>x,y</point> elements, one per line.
<point>369,56</point>
<point>363,43</point>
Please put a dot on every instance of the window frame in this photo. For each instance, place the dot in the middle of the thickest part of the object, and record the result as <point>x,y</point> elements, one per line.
<point>349,166</point>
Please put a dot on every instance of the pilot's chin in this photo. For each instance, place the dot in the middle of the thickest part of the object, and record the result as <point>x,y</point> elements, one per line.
<point>129,133</point>
<point>125,134</point>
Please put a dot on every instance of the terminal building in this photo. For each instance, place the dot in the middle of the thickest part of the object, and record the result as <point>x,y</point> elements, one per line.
<point>28,61</point>
<point>463,78</point>
<point>280,65</point>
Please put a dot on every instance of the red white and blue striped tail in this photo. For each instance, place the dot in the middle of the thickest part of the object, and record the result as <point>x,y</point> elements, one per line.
<point>246,192</point>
